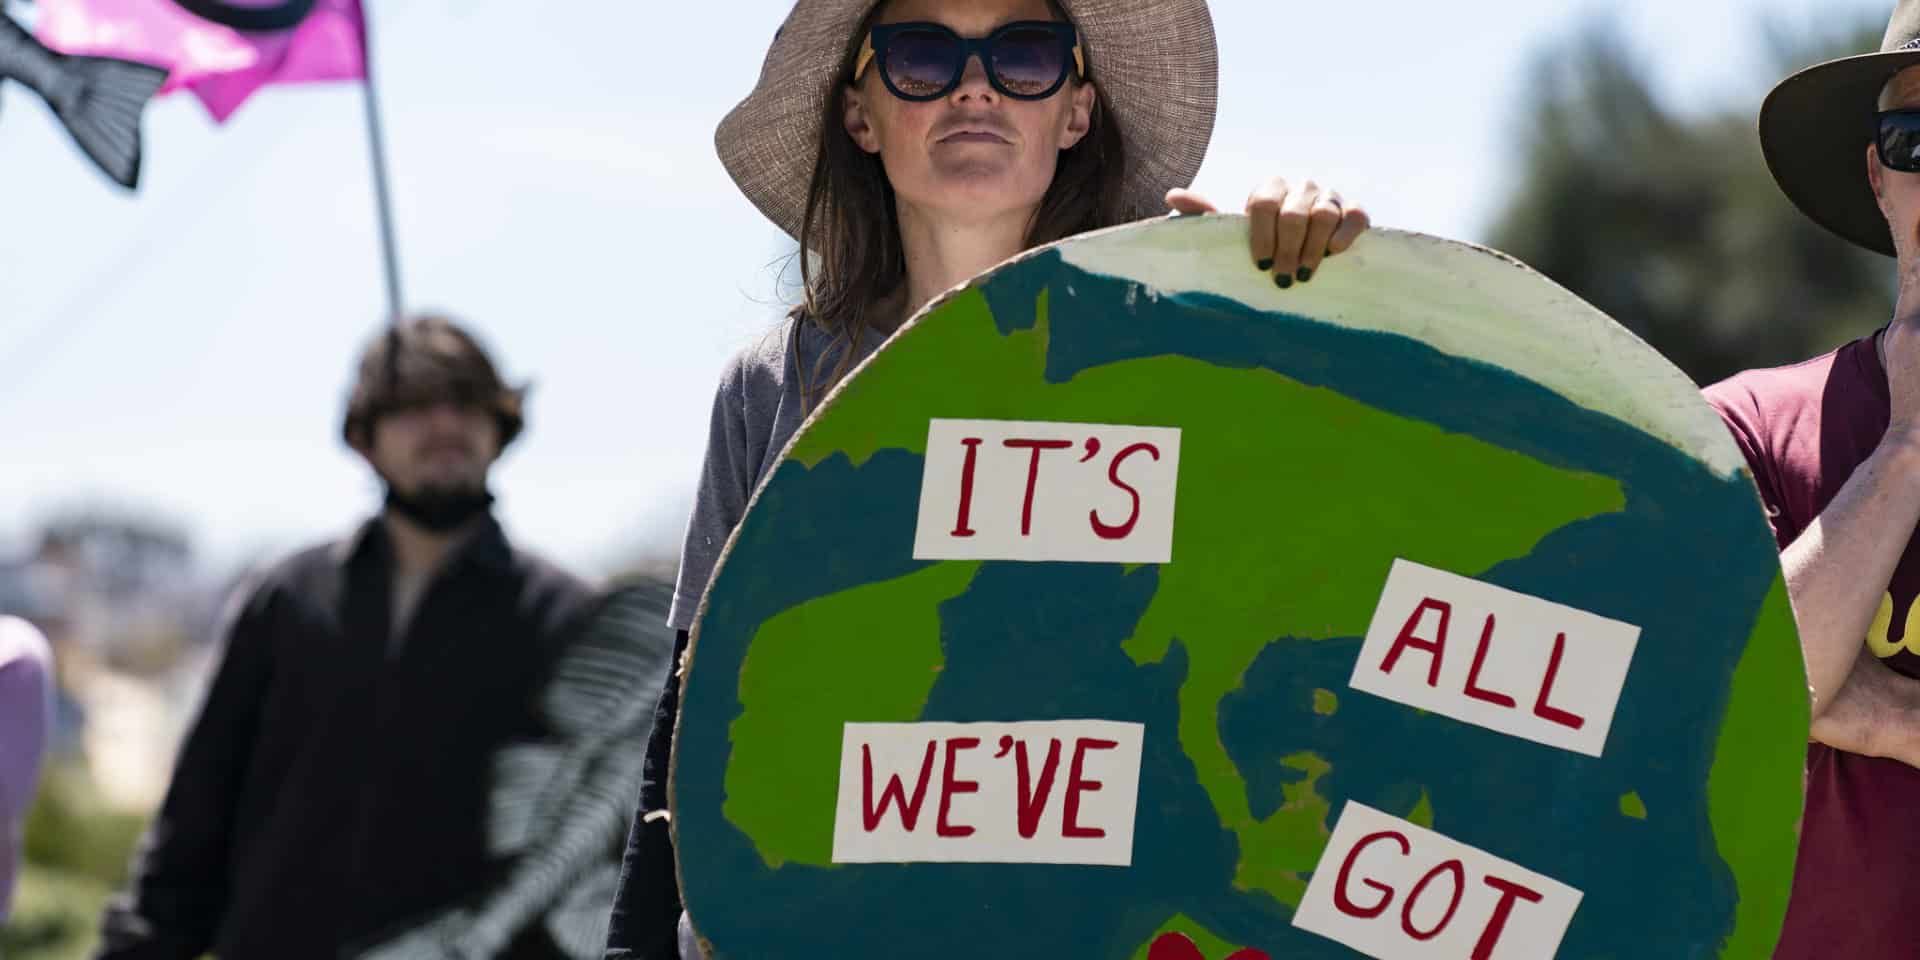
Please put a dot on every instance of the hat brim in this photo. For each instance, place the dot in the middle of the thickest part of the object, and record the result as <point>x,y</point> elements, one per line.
<point>1156,63</point>
<point>1814,130</point>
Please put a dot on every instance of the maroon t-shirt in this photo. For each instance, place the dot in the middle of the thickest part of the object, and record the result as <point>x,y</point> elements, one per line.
<point>1804,429</point>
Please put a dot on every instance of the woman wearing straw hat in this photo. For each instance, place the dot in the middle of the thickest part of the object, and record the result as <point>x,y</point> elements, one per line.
<point>915,144</point>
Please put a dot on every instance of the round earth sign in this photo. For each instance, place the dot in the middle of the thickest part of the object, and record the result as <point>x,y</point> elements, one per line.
<point>1127,606</point>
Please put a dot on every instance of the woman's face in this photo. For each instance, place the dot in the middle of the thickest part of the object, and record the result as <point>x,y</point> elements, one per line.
<point>972,155</point>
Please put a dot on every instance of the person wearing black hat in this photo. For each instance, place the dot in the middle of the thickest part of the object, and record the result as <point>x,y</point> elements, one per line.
<point>1834,446</point>
<point>351,776</point>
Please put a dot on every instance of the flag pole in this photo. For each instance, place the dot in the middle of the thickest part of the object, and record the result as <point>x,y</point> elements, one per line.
<point>383,198</point>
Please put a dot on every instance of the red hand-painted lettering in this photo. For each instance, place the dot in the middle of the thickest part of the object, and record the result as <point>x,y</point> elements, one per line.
<point>1459,886</point>
<point>1497,924</point>
<point>895,792</point>
<point>1031,802</point>
<point>960,528</point>
<point>1474,689</point>
<point>1103,530</point>
<point>950,786</point>
<point>1076,784</point>
<point>1344,903</point>
<point>1033,474</point>
<point>1437,645</point>
<point>1546,711</point>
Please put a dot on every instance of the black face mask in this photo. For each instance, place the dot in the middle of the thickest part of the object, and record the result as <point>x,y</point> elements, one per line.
<point>441,511</point>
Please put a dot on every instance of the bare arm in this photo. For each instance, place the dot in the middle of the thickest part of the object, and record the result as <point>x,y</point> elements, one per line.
<point>1876,713</point>
<point>1839,568</point>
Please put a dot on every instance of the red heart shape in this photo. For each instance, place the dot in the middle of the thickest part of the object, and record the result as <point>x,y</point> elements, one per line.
<point>1173,946</point>
<point>1176,946</point>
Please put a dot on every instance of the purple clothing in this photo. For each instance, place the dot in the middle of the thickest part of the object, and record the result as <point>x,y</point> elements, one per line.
<point>1805,429</point>
<point>26,709</point>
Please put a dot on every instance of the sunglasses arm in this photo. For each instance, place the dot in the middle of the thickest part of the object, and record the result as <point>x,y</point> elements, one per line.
<point>866,57</point>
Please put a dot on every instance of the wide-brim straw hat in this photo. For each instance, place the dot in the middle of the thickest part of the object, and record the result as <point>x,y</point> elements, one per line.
<point>1155,62</point>
<point>1816,125</point>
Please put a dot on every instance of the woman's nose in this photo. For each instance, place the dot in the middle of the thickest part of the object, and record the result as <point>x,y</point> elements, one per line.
<point>973,80</point>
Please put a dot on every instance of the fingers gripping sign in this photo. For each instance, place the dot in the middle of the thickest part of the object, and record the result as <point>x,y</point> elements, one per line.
<point>1292,226</point>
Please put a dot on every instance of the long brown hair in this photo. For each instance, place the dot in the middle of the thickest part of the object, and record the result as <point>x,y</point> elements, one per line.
<point>852,225</point>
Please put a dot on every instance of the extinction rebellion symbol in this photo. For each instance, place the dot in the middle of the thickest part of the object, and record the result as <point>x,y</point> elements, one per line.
<point>261,16</point>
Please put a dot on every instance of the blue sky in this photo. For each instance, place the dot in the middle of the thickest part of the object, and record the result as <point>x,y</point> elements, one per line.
<point>186,350</point>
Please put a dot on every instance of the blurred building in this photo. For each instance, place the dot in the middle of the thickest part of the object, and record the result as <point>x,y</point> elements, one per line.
<point>130,619</point>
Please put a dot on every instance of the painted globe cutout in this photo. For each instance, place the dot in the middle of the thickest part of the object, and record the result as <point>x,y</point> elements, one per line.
<point>1124,601</point>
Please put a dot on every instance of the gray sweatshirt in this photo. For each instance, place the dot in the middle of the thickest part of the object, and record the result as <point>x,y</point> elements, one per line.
<point>757,409</point>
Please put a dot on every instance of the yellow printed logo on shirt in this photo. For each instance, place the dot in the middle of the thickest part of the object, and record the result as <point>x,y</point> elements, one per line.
<point>1883,622</point>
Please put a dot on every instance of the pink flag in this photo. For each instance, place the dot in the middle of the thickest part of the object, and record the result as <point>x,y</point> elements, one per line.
<point>203,46</point>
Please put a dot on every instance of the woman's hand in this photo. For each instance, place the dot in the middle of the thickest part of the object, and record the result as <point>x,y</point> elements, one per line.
<point>1293,226</point>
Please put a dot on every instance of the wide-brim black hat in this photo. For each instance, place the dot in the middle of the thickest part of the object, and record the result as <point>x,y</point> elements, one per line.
<point>1816,125</point>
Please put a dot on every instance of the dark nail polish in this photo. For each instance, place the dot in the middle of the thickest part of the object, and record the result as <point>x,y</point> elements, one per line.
<point>1265,265</point>
<point>1284,281</point>
<point>1305,274</point>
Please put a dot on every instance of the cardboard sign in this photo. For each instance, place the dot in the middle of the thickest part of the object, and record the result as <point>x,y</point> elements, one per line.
<point>1117,600</point>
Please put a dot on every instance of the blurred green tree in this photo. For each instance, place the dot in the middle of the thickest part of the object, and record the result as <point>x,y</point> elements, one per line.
<point>77,851</point>
<point>1671,223</point>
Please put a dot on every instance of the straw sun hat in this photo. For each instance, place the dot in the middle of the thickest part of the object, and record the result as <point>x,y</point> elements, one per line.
<point>1155,62</point>
<point>1815,127</point>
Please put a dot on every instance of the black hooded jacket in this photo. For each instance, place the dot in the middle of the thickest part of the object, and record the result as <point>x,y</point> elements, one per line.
<point>341,785</point>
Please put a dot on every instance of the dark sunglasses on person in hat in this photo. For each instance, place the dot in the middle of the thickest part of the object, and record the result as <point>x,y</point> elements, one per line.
<point>1026,60</point>
<point>1897,139</point>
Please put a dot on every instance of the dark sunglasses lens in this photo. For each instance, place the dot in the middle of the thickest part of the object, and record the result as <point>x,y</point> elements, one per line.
<point>1029,62</point>
<point>922,63</point>
<point>1900,142</point>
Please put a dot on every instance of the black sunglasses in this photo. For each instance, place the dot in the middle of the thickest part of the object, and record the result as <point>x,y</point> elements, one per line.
<point>1898,140</point>
<point>1027,60</point>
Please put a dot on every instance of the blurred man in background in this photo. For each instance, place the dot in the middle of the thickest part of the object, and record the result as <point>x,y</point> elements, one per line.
<point>26,708</point>
<point>366,774</point>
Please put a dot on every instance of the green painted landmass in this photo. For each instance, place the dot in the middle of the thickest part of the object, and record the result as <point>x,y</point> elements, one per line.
<point>908,397</point>
<point>796,693</point>
<point>1422,813</point>
<point>1748,764</point>
<point>1298,829</point>
<point>1259,520</point>
<point>1632,806</point>
<point>1325,703</point>
<point>1211,946</point>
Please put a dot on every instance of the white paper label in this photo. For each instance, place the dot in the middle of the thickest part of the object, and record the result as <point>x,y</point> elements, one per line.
<point>1020,490</point>
<point>1396,891</point>
<point>1034,792</point>
<point>1496,658</point>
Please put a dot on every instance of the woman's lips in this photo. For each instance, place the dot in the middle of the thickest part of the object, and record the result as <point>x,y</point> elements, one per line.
<point>969,136</point>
